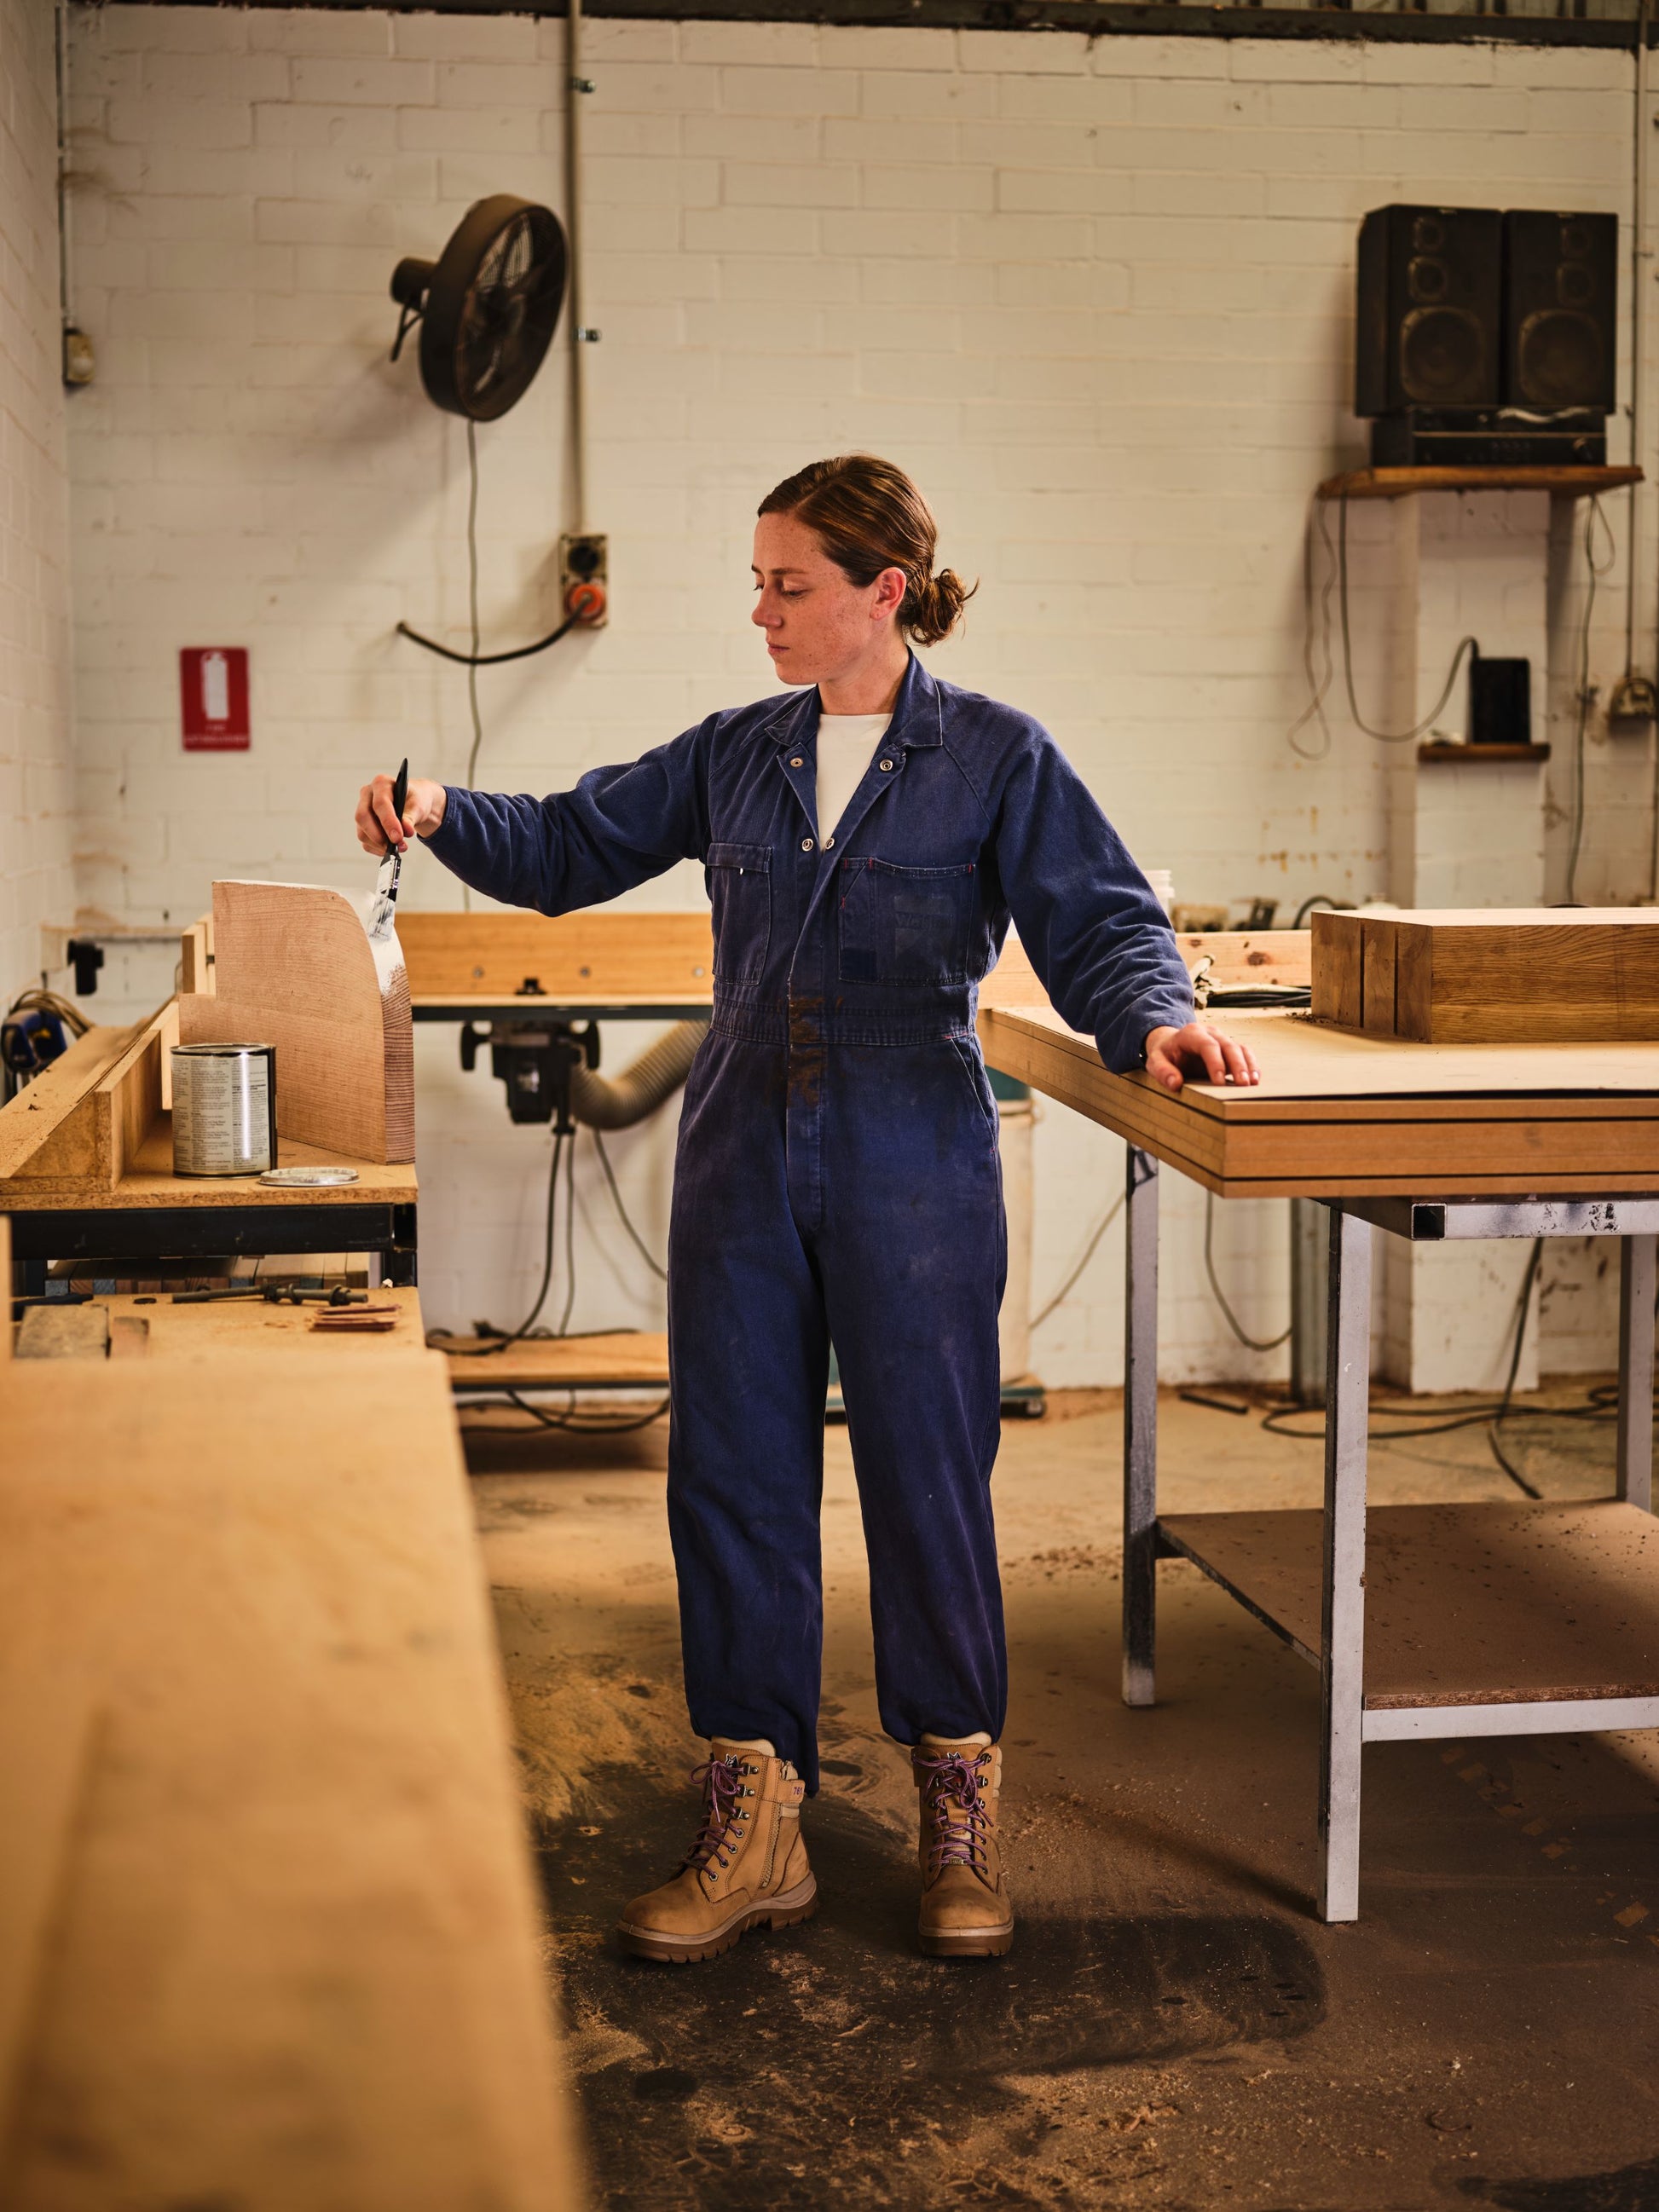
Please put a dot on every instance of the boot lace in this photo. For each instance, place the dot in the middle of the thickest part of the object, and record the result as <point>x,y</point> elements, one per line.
<point>722,1786</point>
<point>960,1815</point>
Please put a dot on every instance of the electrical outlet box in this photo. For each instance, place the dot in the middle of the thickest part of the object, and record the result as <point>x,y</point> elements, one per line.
<point>585,577</point>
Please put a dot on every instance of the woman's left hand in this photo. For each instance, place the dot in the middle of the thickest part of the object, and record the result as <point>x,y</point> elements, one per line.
<point>1203,1053</point>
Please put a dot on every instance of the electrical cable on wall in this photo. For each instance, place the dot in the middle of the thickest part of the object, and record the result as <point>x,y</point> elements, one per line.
<point>1318,684</point>
<point>1254,1343</point>
<point>1076,1275</point>
<point>1464,645</point>
<point>1593,516</point>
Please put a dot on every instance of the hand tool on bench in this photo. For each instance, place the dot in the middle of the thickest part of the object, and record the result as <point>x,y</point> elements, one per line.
<point>386,902</point>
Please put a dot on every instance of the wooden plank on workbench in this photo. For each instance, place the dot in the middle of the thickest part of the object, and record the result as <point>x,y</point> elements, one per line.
<point>1240,958</point>
<point>149,1181</point>
<point>50,1128</point>
<point>1464,1604</point>
<point>607,959</point>
<point>297,1958</point>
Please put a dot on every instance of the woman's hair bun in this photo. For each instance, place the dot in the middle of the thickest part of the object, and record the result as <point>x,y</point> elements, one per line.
<point>932,609</point>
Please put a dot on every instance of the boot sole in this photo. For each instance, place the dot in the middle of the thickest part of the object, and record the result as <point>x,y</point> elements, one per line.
<point>970,1943</point>
<point>787,1910</point>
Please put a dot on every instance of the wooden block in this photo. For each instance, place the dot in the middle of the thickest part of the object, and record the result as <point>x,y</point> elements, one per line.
<point>66,1331</point>
<point>5,1332</point>
<point>196,977</point>
<point>1337,973</point>
<point>609,959</point>
<point>294,967</point>
<point>1377,965</point>
<point>1413,984</point>
<point>1551,976</point>
<point>295,1957</point>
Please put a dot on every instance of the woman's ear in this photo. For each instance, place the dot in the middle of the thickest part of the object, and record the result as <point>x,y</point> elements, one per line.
<point>891,585</point>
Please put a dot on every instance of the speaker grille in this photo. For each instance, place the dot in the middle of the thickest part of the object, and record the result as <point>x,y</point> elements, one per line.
<point>1559,356</point>
<point>1443,357</point>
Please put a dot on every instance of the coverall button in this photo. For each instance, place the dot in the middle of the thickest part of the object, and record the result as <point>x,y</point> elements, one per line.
<point>798,761</point>
<point>886,764</point>
<point>828,842</point>
<point>806,844</point>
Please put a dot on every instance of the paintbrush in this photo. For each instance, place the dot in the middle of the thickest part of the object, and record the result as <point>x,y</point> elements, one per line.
<point>386,902</point>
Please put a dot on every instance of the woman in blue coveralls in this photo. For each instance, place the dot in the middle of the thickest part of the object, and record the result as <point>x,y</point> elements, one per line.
<point>868,837</point>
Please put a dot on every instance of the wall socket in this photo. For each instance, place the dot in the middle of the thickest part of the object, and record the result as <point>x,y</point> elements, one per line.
<point>585,577</point>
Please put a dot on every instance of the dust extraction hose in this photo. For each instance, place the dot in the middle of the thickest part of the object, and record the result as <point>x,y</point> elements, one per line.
<point>617,1102</point>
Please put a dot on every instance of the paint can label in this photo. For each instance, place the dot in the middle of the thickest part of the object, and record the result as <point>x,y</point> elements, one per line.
<point>223,1109</point>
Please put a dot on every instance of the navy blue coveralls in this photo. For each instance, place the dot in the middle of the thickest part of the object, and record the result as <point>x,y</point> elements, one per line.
<point>837,1175</point>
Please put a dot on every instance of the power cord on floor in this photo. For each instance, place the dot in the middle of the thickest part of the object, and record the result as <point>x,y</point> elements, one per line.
<point>527,1325</point>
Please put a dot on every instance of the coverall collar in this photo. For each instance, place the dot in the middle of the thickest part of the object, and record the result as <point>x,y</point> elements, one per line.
<point>918,716</point>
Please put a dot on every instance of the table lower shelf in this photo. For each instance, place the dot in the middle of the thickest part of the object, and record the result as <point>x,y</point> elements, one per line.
<point>1547,1614</point>
<point>628,1360</point>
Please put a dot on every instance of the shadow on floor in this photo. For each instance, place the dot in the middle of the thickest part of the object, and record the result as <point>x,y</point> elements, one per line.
<point>832,2061</point>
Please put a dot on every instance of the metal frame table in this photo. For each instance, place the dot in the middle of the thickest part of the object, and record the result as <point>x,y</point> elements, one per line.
<point>1349,1720</point>
<point>1478,1619</point>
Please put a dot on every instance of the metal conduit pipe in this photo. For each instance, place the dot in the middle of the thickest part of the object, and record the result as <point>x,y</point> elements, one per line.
<point>618,1101</point>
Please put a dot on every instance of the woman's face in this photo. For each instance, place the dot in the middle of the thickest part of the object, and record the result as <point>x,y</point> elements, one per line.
<point>819,624</point>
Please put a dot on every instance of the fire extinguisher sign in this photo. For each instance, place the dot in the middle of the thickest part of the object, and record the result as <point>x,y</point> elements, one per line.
<point>213,691</point>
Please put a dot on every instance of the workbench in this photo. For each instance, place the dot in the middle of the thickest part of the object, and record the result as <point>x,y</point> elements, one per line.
<point>1424,1621</point>
<point>86,1173</point>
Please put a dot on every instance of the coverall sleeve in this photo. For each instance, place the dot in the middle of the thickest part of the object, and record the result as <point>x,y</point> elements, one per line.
<point>619,827</point>
<point>1096,935</point>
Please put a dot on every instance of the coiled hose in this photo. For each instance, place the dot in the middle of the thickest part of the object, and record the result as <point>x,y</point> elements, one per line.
<point>604,1101</point>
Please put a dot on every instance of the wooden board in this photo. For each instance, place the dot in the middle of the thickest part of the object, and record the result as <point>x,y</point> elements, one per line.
<point>1239,958</point>
<point>247,1325</point>
<point>1464,1604</point>
<point>63,1331</point>
<point>569,1363</point>
<point>80,1120</point>
<point>295,1956</point>
<point>149,1181</point>
<point>294,967</point>
<point>1338,1115</point>
<point>1542,974</point>
<point>601,957</point>
<point>1564,479</point>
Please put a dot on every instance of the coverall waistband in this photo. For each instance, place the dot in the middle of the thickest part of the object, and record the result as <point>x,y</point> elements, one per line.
<point>947,1017</point>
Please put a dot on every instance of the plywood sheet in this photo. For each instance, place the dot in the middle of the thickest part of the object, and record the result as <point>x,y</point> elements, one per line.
<point>294,967</point>
<point>562,1363</point>
<point>1464,1604</point>
<point>1338,1115</point>
<point>295,1955</point>
<point>149,1181</point>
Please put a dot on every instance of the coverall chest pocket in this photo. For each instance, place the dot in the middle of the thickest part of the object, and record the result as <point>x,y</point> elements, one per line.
<point>739,881</point>
<point>904,925</point>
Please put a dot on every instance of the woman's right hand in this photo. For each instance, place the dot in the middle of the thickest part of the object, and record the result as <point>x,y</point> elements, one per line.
<point>379,830</point>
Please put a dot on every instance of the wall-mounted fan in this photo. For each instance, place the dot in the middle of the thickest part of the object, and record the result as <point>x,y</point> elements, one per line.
<point>486,307</point>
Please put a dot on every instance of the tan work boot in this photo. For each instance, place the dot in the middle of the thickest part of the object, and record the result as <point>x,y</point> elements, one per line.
<point>965,1909</point>
<point>746,1869</point>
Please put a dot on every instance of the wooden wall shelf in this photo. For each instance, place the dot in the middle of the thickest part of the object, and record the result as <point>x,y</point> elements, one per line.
<point>1568,483</point>
<point>1434,750</point>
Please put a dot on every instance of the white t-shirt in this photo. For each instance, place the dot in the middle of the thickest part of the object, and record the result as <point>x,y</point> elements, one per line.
<point>845,744</point>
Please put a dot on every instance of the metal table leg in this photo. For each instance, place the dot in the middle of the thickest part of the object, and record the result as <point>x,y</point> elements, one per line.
<point>1342,1670</point>
<point>1140,1429</point>
<point>1636,1293</point>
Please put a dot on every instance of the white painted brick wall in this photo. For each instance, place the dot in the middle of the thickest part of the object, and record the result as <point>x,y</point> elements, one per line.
<point>1096,295</point>
<point>36,793</point>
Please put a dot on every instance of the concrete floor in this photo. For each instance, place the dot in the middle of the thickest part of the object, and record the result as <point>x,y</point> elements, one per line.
<point>1174,2027</point>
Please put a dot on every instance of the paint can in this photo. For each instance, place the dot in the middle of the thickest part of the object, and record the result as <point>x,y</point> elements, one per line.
<point>224,1108</point>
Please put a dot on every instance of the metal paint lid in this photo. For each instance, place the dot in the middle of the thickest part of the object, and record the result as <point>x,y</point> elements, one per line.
<point>308,1178</point>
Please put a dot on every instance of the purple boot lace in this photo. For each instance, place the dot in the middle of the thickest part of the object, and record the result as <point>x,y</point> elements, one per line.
<point>952,1787</point>
<point>722,1786</point>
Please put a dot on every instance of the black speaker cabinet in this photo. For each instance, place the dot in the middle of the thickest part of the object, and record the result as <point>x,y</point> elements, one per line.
<point>1560,301</point>
<point>1500,702</point>
<point>1429,303</point>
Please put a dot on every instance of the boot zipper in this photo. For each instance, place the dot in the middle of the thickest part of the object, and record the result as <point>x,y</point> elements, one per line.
<point>772,1848</point>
